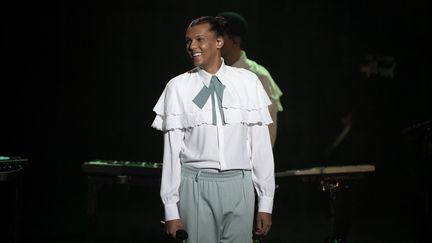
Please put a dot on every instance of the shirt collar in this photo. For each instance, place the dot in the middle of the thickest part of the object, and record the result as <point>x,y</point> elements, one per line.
<point>221,74</point>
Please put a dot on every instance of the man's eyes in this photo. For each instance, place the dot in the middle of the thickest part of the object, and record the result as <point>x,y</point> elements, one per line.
<point>199,40</point>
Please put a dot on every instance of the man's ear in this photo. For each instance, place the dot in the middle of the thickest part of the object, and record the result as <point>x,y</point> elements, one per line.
<point>219,42</point>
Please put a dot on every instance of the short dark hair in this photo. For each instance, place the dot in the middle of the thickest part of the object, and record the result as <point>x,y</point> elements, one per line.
<point>216,24</point>
<point>236,25</point>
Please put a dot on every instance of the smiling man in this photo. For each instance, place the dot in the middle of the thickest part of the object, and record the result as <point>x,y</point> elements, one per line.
<point>217,147</point>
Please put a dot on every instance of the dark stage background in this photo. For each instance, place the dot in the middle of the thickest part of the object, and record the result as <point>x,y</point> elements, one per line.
<point>80,79</point>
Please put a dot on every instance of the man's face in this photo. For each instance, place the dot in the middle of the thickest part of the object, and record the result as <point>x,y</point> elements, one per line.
<point>203,46</point>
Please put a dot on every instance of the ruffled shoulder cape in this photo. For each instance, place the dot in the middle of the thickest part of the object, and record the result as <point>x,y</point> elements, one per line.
<point>244,101</point>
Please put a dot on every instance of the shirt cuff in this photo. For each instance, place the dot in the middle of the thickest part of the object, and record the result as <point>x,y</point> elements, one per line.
<point>171,212</point>
<point>265,205</point>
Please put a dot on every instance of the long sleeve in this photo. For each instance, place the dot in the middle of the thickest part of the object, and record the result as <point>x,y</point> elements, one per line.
<point>262,166</point>
<point>273,126</point>
<point>171,173</point>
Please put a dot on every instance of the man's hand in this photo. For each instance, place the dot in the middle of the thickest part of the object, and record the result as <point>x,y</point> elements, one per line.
<point>172,226</point>
<point>263,223</point>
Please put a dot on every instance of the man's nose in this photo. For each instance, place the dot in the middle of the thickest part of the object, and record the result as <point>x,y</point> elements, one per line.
<point>192,45</point>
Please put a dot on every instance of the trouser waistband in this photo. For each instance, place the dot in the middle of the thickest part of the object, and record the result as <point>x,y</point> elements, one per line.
<point>213,175</point>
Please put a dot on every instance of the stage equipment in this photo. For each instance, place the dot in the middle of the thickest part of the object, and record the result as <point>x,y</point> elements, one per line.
<point>110,172</point>
<point>331,179</point>
<point>11,175</point>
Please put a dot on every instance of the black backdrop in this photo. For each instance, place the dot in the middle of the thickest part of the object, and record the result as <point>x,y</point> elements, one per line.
<point>80,79</point>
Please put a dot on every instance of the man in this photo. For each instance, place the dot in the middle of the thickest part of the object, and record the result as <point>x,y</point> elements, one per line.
<point>236,29</point>
<point>217,146</point>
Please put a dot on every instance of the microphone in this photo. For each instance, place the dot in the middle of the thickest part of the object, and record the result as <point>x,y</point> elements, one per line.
<point>181,234</point>
<point>256,238</point>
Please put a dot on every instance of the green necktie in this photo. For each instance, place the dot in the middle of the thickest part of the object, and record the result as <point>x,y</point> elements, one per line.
<point>215,87</point>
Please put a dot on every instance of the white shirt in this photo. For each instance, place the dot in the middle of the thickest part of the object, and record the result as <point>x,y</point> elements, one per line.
<point>191,138</point>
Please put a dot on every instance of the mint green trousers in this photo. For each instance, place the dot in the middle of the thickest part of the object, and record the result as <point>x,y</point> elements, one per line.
<point>217,207</point>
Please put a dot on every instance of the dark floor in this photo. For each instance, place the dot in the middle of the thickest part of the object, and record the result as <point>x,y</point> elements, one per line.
<point>370,211</point>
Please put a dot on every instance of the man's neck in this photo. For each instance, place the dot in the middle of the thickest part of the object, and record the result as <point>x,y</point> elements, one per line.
<point>233,58</point>
<point>212,69</point>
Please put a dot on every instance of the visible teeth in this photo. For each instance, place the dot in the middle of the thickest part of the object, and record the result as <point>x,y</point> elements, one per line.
<point>196,54</point>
